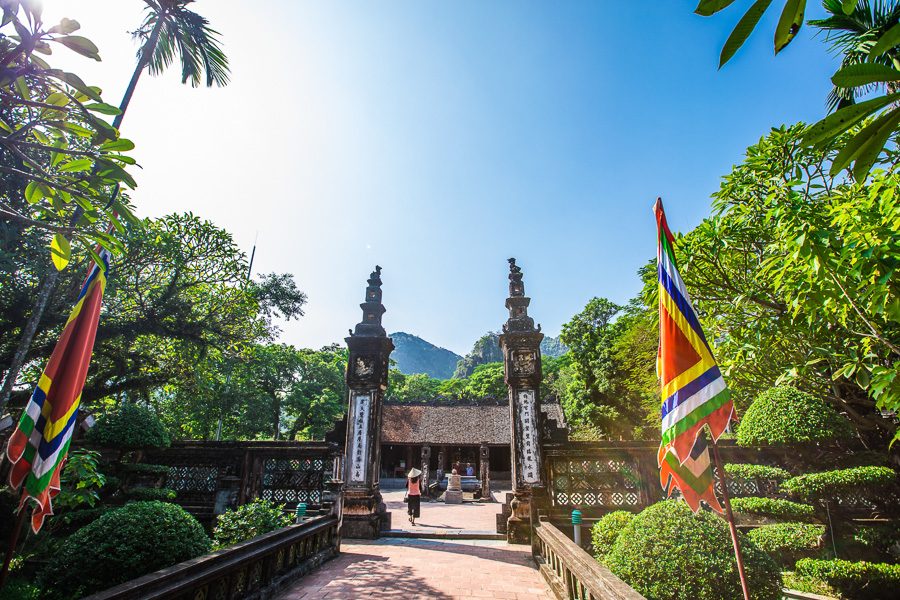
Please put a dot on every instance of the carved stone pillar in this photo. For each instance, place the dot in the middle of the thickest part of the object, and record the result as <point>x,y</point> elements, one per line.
<point>365,514</point>
<point>520,344</point>
<point>426,463</point>
<point>484,470</point>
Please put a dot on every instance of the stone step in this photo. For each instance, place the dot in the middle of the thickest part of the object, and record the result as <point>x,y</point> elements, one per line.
<point>432,534</point>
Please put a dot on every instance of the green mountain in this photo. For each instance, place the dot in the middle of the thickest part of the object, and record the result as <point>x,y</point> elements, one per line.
<point>414,355</point>
<point>487,349</point>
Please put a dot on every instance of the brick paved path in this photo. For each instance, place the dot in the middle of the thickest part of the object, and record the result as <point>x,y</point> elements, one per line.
<point>437,516</point>
<point>435,569</point>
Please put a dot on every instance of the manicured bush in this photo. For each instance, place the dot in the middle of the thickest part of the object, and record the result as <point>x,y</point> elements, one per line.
<point>858,480</point>
<point>855,580</point>
<point>606,530</point>
<point>144,468</point>
<point>772,507</point>
<point>784,415</point>
<point>148,493</point>
<point>131,541</point>
<point>668,553</point>
<point>788,542</point>
<point>803,583</point>
<point>881,540</point>
<point>129,427</point>
<point>249,520</point>
<point>746,471</point>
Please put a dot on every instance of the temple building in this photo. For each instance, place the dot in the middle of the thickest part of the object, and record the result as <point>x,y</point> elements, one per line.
<point>451,433</point>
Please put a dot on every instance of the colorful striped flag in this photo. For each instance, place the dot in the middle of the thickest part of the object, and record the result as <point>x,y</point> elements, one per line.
<point>39,445</point>
<point>694,479</point>
<point>694,393</point>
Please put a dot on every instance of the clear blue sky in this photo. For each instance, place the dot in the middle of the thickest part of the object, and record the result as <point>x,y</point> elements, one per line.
<point>439,138</point>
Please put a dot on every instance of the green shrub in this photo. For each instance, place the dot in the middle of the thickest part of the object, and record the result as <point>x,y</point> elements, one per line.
<point>148,493</point>
<point>881,540</point>
<point>667,552</point>
<point>248,521</point>
<point>19,589</point>
<point>606,530</point>
<point>859,480</point>
<point>772,507</point>
<point>131,541</point>
<point>131,426</point>
<point>746,471</point>
<point>788,542</point>
<point>804,583</point>
<point>144,468</point>
<point>784,415</point>
<point>862,580</point>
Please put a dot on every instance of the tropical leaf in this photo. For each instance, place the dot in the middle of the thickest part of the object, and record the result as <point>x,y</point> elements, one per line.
<point>880,129</point>
<point>889,40</point>
<point>864,74</point>
<point>848,6</point>
<point>743,30</point>
<point>81,45</point>
<point>843,119</point>
<point>60,251</point>
<point>869,151</point>
<point>789,24</point>
<point>711,7</point>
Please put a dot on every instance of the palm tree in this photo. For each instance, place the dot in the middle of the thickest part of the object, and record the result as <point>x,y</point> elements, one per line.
<point>853,36</point>
<point>169,30</point>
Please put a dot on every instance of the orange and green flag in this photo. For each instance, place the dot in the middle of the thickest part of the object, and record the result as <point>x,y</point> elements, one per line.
<point>39,445</point>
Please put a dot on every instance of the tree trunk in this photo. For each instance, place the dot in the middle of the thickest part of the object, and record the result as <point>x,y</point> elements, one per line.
<point>48,283</point>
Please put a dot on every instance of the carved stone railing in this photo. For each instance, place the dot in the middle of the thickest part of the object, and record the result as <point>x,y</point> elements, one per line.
<point>572,573</point>
<point>252,570</point>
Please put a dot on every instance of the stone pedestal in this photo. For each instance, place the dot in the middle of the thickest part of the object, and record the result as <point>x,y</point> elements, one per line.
<point>520,344</point>
<point>454,494</point>
<point>364,513</point>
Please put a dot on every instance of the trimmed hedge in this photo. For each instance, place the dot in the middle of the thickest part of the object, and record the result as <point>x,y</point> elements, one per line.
<point>784,415</point>
<point>861,480</point>
<point>248,521</point>
<point>855,580</point>
<point>130,427</point>
<point>148,493</point>
<point>605,531</point>
<point>747,471</point>
<point>788,542</point>
<point>143,468</point>
<point>666,552</point>
<point>772,507</point>
<point>131,541</point>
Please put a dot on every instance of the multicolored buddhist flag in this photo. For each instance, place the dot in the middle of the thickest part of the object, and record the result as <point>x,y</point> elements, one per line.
<point>39,445</point>
<point>694,394</point>
<point>694,479</point>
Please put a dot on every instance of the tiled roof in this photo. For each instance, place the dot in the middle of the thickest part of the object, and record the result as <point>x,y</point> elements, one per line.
<point>435,424</point>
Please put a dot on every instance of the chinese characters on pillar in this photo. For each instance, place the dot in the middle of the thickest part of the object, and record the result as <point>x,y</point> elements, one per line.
<point>360,432</point>
<point>529,442</point>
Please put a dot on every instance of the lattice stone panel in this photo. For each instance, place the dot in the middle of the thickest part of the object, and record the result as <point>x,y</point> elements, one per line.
<point>291,481</point>
<point>183,478</point>
<point>603,483</point>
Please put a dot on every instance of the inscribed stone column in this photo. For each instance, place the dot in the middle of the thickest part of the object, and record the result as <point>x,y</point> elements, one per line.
<point>520,344</point>
<point>426,463</point>
<point>365,514</point>
<point>484,470</point>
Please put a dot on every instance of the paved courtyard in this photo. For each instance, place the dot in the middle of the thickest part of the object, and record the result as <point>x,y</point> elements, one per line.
<point>405,568</point>
<point>440,517</point>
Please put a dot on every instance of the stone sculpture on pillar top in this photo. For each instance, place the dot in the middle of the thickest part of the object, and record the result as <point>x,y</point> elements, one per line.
<point>365,514</point>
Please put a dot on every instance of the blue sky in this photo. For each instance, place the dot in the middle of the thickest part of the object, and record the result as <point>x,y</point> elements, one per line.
<point>439,138</point>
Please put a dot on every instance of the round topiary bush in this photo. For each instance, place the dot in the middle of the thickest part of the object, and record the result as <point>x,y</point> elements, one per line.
<point>867,481</point>
<point>855,580</point>
<point>773,507</point>
<point>784,415</point>
<point>788,542</point>
<point>667,552</point>
<point>606,530</point>
<point>131,541</point>
<point>249,520</point>
<point>131,426</point>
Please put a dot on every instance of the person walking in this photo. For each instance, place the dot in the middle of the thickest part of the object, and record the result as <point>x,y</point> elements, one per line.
<point>413,494</point>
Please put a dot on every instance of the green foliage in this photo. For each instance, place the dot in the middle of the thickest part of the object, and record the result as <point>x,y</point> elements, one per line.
<point>148,494</point>
<point>413,355</point>
<point>748,471</point>
<point>248,521</point>
<point>81,480</point>
<point>485,350</point>
<point>667,552</point>
<point>854,580</point>
<point>134,540</point>
<point>143,468</point>
<point>881,541</point>
<point>867,481</point>
<point>772,507</point>
<point>805,583</point>
<point>131,426</point>
<point>606,531</point>
<point>785,415</point>
<point>19,589</point>
<point>788,542</point>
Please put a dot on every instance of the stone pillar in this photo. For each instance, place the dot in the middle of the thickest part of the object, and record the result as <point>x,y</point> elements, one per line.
<point>426,463</point>
<point>484,471</point>
<point>364,512</point>
<point>520,344</point>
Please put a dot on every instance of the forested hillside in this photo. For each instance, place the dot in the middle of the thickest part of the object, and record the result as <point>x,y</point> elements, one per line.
<point>414,355</point>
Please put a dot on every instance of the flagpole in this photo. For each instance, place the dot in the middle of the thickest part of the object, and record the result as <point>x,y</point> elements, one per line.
<point>731,526</point>
<point>11,549</point>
